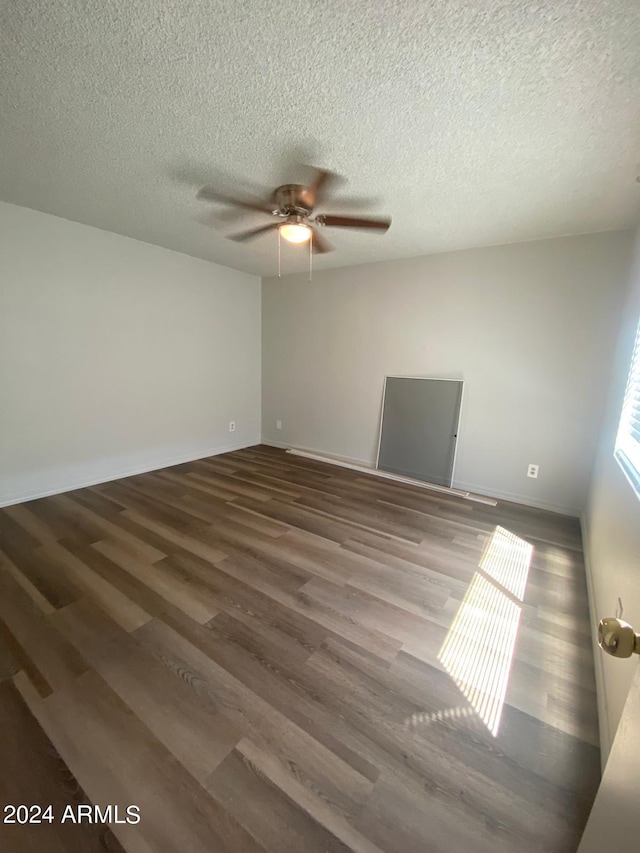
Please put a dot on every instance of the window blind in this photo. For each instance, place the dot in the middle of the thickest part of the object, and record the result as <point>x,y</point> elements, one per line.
<point>628,440</point>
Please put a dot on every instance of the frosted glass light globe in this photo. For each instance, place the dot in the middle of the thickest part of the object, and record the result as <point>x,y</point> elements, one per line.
<point>294,232</point>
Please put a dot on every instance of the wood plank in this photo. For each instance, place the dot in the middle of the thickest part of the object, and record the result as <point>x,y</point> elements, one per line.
<point>194,731</point>
<point>162,577</point>
<point>109,526</point>
<point>332,776</point>
<point>118,760</point>
<point>279,810</point>
<point>124,611</point>
<point>33,773</point>
<point>51,660</point>
<point>39,584</point>
<point>192,543</point>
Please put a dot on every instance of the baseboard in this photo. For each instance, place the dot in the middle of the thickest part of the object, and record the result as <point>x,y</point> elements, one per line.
<point>92,474</point>
<point>285,445</point>
<point>281,444</point>
<point>474,488</point>
<point>561,509</point>
<point>598,662</point>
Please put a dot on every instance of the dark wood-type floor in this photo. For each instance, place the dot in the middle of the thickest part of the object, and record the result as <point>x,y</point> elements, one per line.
<point>266,653</point>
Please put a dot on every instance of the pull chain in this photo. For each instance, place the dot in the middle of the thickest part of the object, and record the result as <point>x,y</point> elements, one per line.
<point>279,271</point>
<point>310,256</point>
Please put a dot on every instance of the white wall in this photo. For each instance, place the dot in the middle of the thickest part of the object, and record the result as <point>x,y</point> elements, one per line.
<point>530,327</point>
<point>116,356</point>
<point>611,528</point>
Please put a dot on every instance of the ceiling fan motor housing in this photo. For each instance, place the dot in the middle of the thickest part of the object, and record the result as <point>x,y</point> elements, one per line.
<point>292,199</point>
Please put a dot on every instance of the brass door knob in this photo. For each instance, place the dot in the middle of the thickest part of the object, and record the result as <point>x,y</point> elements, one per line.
<point>618,638</point>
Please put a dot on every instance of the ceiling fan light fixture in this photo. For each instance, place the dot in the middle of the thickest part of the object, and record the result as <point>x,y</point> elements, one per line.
<point>295,232</point>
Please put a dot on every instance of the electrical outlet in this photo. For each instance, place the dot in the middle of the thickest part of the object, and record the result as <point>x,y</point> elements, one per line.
<point>278,424</point>
<point>232,426</point>
<point>532,471</point>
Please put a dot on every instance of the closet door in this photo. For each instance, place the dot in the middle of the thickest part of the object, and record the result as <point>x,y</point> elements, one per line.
<point>419,428</point>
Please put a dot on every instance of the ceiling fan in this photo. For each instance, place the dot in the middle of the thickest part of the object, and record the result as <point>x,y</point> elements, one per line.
<point>291,208</point>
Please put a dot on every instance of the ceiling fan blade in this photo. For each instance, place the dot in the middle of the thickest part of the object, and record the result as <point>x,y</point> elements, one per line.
<point>319,187</point>
<point>253,232</point>
<point>332,221</point>
<point>209,194</point>
<point>351,202</point>
<point>224,218</point>
<point>320,245</point>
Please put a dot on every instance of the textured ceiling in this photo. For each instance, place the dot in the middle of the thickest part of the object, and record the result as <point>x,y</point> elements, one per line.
<point>472,122</point>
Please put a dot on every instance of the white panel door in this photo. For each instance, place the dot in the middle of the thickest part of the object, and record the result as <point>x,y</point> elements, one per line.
<point>614,822</point>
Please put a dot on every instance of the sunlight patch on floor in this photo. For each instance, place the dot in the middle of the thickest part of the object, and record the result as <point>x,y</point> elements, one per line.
<point>478,649</point>
<point>506,559</point>
<point>424,718</point>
